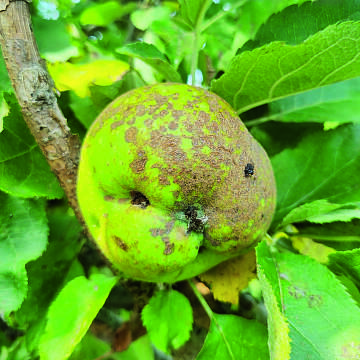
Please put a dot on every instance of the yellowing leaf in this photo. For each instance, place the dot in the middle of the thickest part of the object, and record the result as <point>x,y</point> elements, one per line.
<point>79,77</point>
<point>308,247</point>
<point>230,277</point>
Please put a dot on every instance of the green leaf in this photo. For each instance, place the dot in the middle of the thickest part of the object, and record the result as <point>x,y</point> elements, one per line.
<point>60,50</point>
<point>71,314</point>
<point>346,263</point>
<point>5,83</point>
<point>296,23</point>
<point>105,13</point>
<point>92,347</point>
<point>350,287</point>
<point>345,235</point>
<point>278,70</point>
<point>321,167</point>
<point>340,214</point>
<point>24,170</point>
<point>232,23</point>
<point>338,103</point>
<point>153,57</point>
<point>233,337</point>
<point>191,9</point>
<point>310,297</point>
<point>17,351</point>
<point>47,274</point>
<point>23,237</point>
<point>158,318</point>
<point>278,327</point>
<point>4,111</point>
<point>309,210</point>
<point>322,211</point>
<point>144,18</point>
<point>256,12</point>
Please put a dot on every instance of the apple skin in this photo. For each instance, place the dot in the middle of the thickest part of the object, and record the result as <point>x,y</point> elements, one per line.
<point>171,183</point>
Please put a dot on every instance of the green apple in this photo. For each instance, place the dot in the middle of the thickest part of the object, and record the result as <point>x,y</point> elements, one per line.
<point>171,183</point>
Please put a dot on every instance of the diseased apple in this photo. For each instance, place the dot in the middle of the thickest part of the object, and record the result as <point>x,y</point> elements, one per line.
<point>171,183</point>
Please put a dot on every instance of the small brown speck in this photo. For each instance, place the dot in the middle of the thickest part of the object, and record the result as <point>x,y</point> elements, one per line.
<point>120,243</point>
<point>157,232</point>
<point>169,247</point>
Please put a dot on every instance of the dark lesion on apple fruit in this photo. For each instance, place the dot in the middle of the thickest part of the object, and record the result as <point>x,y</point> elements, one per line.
<point>139,199</point>
<point>120,243</point>
<point>249,170</point>
<point>196,220</point>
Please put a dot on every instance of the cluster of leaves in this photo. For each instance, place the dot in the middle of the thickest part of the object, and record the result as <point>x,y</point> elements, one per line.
<point>291,68</point>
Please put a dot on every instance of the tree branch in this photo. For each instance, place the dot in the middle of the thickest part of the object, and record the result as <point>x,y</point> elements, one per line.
<point>34,90</point>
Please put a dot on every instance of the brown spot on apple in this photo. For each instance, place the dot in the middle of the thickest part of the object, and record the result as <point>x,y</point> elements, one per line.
<point>169,247</point>
<point>130,134</point>
<point>120,243</point>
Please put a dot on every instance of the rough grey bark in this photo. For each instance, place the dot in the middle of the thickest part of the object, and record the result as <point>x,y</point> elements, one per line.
<point>34,90</point>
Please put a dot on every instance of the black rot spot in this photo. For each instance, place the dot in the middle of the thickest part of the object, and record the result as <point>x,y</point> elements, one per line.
<point>139,199</point>
<point>249,170</point>
<point>196,222</point>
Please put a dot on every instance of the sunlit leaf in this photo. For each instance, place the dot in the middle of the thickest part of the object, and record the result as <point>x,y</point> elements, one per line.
<point>4,111</point>
<point>71,314</point>
<point>278,327</point>
<point>308,247</point>
<point>105,13</point>
<point>322,211</point>
<point>78,77</point>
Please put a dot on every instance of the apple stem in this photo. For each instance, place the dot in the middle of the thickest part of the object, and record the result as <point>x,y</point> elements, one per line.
<point>201,299</point>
